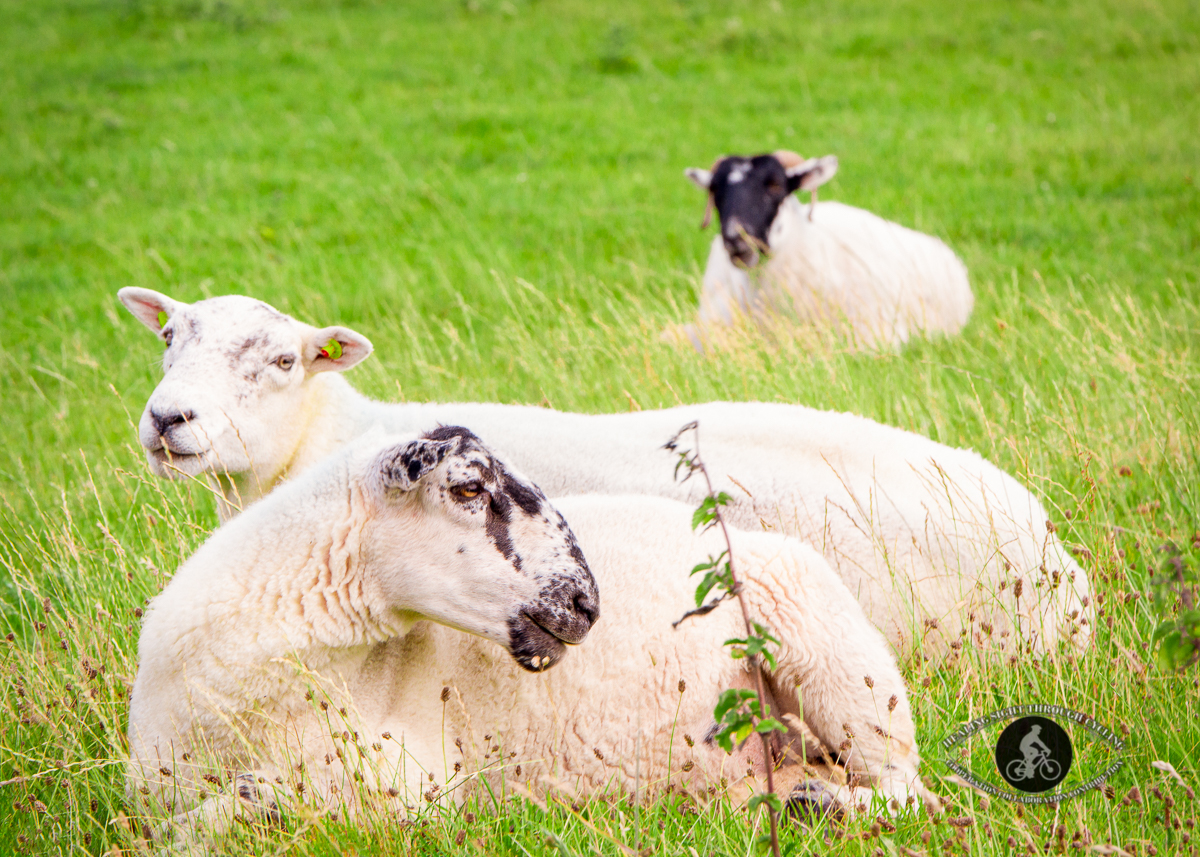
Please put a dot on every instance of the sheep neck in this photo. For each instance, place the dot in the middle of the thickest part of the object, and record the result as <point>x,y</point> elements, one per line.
<point>301,575</point>
<point>332,414</point>
<point>791,217</point>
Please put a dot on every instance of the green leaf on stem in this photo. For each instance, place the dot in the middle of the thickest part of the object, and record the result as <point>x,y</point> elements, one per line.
<point>729,700</point>
<point>770,799</point>
<point>710,580</point>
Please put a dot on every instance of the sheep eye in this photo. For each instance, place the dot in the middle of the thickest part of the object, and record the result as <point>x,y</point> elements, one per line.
<point>168,335</point>
<point>467,492</point>
<point>285,362</point>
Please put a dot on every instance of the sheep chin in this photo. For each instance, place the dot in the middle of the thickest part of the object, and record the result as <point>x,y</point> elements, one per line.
<point>532,646</point>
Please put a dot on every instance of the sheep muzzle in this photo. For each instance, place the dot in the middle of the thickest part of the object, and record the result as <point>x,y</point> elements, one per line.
<point>563,614</point>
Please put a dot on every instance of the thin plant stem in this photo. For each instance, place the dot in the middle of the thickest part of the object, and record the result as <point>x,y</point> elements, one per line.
<point>755,661</point>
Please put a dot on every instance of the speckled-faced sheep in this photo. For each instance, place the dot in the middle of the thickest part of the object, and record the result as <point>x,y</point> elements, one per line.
<point>315,645</point>
<point>931,540</point>
<point>839,267</point>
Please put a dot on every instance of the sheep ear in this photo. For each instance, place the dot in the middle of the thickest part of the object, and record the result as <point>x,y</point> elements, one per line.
<point>403,466</point>
<point>813,173</point>
<point>335,349</point>
<point>149,307</point>
<point>700,178</point>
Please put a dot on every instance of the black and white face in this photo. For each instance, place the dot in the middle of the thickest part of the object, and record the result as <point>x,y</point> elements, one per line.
<point>747,193</point>
<point>460,538</point>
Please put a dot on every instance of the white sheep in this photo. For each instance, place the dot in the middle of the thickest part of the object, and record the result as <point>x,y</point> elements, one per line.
<point>315,645</point>
<point>842,268</point>
<point>931,540</point>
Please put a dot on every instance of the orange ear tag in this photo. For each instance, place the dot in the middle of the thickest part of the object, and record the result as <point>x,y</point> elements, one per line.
<point>332,349</point>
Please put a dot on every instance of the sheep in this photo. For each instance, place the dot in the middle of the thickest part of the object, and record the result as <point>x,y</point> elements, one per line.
<point>842,268</point>
<point>419,596</point>
<point>933,541</point>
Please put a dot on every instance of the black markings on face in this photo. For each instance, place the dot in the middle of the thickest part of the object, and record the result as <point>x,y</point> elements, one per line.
<point>506,490</point>
<point>711,735</point>
<point>567,603</point>
<point>747,193</point>
<point>499,515</point>
<point>573,549</point>
<point>525,496</point>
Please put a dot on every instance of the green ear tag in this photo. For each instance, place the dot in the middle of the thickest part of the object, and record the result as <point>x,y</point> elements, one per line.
<point>332,349</point>
<point>162,318</point>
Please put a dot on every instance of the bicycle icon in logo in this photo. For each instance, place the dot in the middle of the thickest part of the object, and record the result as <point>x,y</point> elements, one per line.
<point>1033,754</point>
<point>1036,761</point>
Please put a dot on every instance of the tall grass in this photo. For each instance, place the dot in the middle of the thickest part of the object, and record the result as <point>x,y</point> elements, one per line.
<point>491,191</point>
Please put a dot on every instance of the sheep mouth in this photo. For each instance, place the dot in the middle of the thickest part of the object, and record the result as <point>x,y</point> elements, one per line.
<point>746,250</point>
<point>177,464</point>
<point>742,256</point>
<point>533,646</point>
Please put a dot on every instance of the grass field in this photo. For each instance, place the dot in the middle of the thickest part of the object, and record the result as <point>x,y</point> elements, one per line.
<point>493,193</point>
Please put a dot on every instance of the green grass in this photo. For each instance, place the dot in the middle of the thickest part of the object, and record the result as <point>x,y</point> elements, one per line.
<point>492,192</point>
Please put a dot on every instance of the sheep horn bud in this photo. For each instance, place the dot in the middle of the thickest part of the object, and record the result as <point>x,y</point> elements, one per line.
<point>787,159</point>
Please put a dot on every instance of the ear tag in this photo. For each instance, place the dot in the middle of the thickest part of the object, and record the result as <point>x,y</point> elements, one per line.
<point>162,318</point>
<point>332,349</point>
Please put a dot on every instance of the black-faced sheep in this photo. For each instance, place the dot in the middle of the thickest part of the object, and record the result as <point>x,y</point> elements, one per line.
<point>832,265</point>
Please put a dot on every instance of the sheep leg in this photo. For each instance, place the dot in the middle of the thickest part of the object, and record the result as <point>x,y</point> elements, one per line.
<point>254,798</point>
<point>836,673</point>
<point>813,799</point>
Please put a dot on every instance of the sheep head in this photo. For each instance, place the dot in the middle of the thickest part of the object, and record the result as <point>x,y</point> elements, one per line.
<point>234,373</point>
<point>458,537</point>
<point>747,193</point>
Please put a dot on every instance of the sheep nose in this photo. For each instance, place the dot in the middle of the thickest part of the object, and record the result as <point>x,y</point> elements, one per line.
<point>740,252</point>
<point>163,423</point>
<point>567,609</point>
<point>733,234</point>
<point>587,606</point>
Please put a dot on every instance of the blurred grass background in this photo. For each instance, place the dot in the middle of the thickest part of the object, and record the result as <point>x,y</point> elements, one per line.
<point>493,193</point>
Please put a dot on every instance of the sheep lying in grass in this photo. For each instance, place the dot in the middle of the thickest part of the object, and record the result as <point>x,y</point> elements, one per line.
<point>315,646</point>
<point>934,542</point>
<point>840,267</point>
